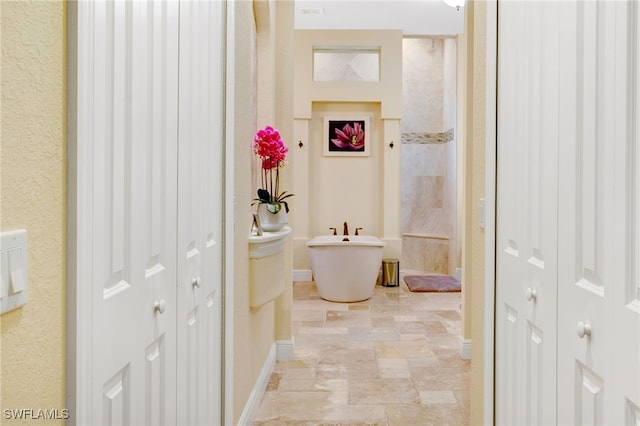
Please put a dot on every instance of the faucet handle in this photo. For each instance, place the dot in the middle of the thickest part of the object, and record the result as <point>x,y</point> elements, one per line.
<point>335,232</point>
<point>358,229</point>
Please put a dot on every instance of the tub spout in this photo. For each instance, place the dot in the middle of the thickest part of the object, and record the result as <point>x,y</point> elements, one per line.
<point>345,229</point>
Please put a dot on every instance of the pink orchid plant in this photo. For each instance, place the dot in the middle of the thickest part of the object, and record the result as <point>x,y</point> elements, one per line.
<point>270,148</point>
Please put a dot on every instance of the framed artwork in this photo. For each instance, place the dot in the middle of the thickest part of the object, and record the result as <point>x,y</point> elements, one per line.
<point>346,136</point>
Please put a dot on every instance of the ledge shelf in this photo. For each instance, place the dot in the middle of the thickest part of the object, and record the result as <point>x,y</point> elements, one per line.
<point>266,266</point>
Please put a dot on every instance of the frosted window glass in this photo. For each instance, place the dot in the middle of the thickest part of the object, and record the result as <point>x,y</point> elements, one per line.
<point>346,65</point>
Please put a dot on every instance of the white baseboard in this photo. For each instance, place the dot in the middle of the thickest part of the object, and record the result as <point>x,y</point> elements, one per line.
<point>284,350</point>
<point>255,398</point>
<point>301,275</point>
<point>465,352</point>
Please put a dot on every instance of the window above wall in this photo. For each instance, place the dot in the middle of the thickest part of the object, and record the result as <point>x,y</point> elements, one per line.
<point>335,63</point>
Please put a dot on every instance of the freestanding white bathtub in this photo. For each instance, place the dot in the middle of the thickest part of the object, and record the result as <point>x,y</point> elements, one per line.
<point>345,271</point>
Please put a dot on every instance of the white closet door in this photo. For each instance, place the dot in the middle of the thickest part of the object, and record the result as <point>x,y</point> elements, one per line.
<point>599,257</point>
<point>527,225</point>
<point>127,138</point>
<point>200,209</point>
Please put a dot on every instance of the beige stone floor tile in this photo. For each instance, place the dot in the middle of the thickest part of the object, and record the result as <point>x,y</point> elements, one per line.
<point>363,370</point>
<point>382,391</point>
<point>424,362</point>
<point>394,368</point>
<point>425,415</point>
<point>435,328</point>
<point>445,342</point>
<point>298,373</point>
<point>449,315</point>
<point>440,379</point>
<point>451,358</point>
<point>315,315</point>
<point>322,340</point>
<point>373,334</point>
<point>303,406</point>
<point>323,330</point>
<point>321,304</point>
<point>404,349</point>
<point>392,360</point>
<point>415,328</point>
<point>438,397</point>
<point>360,344</point>
<point>348,318</point>
<point>308,385</point>
<point>344,355</point>
<point>405,318</point>
<point>464,399</point>
<point>383,321</point>
<point>371,414</point>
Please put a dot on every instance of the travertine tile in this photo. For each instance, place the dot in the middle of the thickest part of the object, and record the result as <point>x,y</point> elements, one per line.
<point>382,391</point>
<point>373,334</point>
<point>404,349</point>
<point>371,414</point>
<point>308,385</point>
<point>438,397</point>
<point>394,368</point>
<point>298,405</point>
<point>393,360</point>
<point>425,415</point>
<point>348,319</point>
<point>440,378</point>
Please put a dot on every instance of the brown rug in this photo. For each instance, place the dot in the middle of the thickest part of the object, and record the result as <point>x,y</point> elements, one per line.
<point>434,283</point>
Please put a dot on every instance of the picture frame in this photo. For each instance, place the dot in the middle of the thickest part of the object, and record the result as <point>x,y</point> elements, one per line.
<point>347,136</point>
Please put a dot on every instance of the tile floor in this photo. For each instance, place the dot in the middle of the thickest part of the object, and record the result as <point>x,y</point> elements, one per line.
<point>390,360</point>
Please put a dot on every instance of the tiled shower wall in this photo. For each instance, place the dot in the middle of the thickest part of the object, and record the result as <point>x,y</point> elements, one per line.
<point>428,161</point>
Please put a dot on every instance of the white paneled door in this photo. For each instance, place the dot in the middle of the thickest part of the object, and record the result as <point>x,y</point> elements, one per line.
<point>598,285</point>
<point>200,212</point>
<point>568,215</point>
<point>132,95</point>
<point>146,180</point>
<point>527,213</point>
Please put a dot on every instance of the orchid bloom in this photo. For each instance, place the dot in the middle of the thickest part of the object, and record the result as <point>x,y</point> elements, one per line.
<point>269,146</point>
<point>350,137</point>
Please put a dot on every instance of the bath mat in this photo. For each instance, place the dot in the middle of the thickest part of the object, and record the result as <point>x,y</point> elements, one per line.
<point>434,283</point>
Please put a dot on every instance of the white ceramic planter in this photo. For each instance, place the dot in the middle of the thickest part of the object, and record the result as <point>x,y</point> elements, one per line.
<point>272,222</point>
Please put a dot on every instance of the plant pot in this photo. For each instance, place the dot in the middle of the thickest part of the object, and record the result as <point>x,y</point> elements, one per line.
<point>271,222</point>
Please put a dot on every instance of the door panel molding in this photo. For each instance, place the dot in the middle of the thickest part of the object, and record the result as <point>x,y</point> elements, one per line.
<point>123,223</point>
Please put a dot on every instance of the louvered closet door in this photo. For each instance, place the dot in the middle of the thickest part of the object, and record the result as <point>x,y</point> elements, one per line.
<point>526,213</point>
<point>200,213</point>
<point>128,101</point>
<point>599,253</point>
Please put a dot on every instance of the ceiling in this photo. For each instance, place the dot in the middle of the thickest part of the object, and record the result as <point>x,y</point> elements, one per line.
<point>414,18</point>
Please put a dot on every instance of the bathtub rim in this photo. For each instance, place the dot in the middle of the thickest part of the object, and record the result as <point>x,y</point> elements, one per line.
<point>337,241</point>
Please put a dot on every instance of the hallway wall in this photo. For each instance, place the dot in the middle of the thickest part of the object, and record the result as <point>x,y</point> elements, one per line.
<point>473,59</point>
<point>33,197</point>
<point>261,96</point>
<point>362,190</point>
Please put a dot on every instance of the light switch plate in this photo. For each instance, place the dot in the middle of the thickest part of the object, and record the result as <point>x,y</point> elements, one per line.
<point>14,290</point>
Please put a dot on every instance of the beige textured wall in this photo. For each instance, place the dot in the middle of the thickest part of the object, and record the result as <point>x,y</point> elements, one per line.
<point>32,194</point>
<point>473,253</point>
<point>322,200</point>
<point>245,349</point>
<point>261,96</point>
